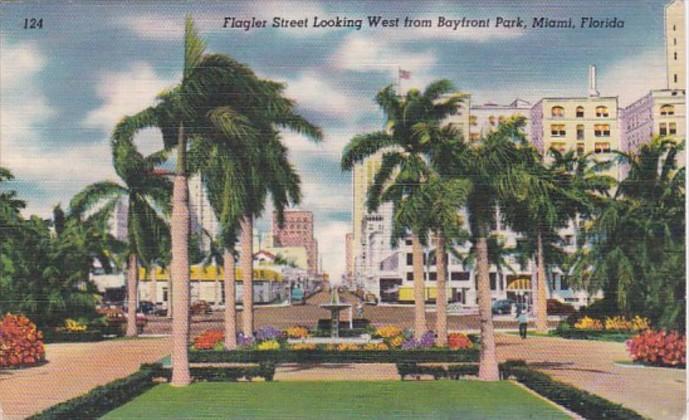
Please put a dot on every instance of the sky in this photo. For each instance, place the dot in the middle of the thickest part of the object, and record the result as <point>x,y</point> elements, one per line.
<point>65,86</point>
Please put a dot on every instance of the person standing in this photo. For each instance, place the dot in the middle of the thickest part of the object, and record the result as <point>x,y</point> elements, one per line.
<point>523,320</point>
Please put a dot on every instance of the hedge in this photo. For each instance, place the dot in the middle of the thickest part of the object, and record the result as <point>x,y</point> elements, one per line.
<point>592,334</point>
<point>53,336</point>
<point>103,399</point>
<point>584,403</point>
<point>226,373</point>
<point>333,356</point>
<point>451,372</point>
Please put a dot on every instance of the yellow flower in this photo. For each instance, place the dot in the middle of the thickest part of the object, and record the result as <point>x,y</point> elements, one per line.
<point>587,323</point>
<point>269,345</point>
<point>347,347</point>
<point>397,341</point>
<point>640,324</point>
<point>388,331</point>
<point>303,346</point>
<point>617,323</point>
<point>376,346</point>
<point>74,326</point>
<point>297,332</point>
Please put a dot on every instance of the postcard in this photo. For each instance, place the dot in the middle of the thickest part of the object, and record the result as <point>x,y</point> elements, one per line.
<point>322,209</point>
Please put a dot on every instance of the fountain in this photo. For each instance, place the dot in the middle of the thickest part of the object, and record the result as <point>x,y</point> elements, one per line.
<point>335,306</point>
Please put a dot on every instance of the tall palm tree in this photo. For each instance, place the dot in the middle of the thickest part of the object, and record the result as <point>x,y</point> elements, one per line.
<point>491,165</point>
<point>148,201</point>
<point>413,122</point>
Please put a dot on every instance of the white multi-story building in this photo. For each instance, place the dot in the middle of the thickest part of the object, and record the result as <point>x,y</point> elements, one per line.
<point>202,216</point>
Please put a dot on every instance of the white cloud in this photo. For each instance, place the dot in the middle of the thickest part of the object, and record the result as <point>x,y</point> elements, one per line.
<point>125,93</point>
<point>632,77</point>
<point>334,141</point>
<point>312,91</point>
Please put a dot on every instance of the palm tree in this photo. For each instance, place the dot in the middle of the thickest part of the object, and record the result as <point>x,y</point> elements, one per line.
<point>492,166</point>
<point>412,124</point>
<point>148,202</point>
<point>636,239</point>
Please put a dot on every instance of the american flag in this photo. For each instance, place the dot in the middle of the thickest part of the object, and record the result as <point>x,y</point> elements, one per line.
<point>404,74</point>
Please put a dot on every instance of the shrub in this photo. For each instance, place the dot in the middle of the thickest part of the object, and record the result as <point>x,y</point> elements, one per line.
<point>658,348</point>
<point>297,332</point>
<point>587,323</point>
<point>21,344</point>
<point>268,345</point>
<point>555,307</point>
<point>208,339</point>
<point>457,341</point>
<point>347,347</point>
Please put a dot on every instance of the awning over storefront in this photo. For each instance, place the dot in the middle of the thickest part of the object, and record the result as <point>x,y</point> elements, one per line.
<point>200,273</point>
<point>406,293</point>
<point>518,283</point>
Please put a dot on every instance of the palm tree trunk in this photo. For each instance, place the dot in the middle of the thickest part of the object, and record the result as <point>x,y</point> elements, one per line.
<point>488,363</point>
<point>169,296</point>
<point>153,287</point>
<point>132,295</point>
<point>541,297</point>
<point>217,284</point>
<point>441,299</point>
<point>230,296</point>
<point>246,264</point>
<point>179,268</point>
<point>419,288</point>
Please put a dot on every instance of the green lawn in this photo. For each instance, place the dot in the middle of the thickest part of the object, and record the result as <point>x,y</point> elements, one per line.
<point>445,399</point>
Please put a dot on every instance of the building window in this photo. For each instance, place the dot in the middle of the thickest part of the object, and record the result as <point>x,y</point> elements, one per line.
<point>410,259</point>
<point>675,55</point>
<point>580,132</point>
<point>493,281</point>
<point>557,112</point>
<point>667,110</point>
<point>433,276</point>
<point>410,276</point>
<point>564,284</point>
<point>408,242</point>
<point>673,129</point>
<point>580,149</point>
<point>675,77</point>
<point>663,129</point>
<point>569,240</point>
<point>580,112</point>
<point>459,276</point>
<point>602,112</point>
<point>601,130</point>
<point>558,130</point>
<point>602,148</point>
<point>674,41</point>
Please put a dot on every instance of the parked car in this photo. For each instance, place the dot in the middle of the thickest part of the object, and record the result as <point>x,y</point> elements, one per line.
<point>201,307</point>
<point>370,299</point>
<point>503,306</point>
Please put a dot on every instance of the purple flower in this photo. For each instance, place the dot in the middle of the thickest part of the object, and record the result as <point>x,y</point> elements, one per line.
<point>426,341</point>
<point>410,344</point>
<point>268,333</point>
<point>244,341</point>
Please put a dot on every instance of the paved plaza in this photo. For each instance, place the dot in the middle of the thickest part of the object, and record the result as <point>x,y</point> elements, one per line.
<point>75,368</point>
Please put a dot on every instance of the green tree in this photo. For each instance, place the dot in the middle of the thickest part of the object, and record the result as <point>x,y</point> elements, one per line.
<point>491,166</point>
<point>413,123</point>
<point>147,197</point>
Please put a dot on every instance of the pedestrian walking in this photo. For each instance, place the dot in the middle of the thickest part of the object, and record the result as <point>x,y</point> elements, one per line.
<point>523,320</point>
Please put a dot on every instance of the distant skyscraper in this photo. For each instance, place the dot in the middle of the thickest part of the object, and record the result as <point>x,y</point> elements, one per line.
<point>297,231</point>
<point>118,228</point>
<point>675,45</point>
<point>202,216</point>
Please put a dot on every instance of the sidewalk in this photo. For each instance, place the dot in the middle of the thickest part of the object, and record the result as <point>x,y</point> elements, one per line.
<point>72,370</point>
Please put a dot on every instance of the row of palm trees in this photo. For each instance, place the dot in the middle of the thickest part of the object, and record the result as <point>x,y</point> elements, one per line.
<point>429,173</point>
<point>222,122</point>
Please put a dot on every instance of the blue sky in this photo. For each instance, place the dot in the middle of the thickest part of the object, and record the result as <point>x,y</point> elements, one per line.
<point>65,86</point>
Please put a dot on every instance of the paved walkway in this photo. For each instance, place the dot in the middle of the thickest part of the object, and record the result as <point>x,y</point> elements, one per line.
<point>74,369</point>
<point>658,393</point>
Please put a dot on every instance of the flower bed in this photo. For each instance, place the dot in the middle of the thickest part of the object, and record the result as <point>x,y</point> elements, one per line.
<point>612,328</point>
<point>21,344</point>
<point>658,348</point>
<point>323,354</point>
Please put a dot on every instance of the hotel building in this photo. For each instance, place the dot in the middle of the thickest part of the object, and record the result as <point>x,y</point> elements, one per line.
<point>297,231</point>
